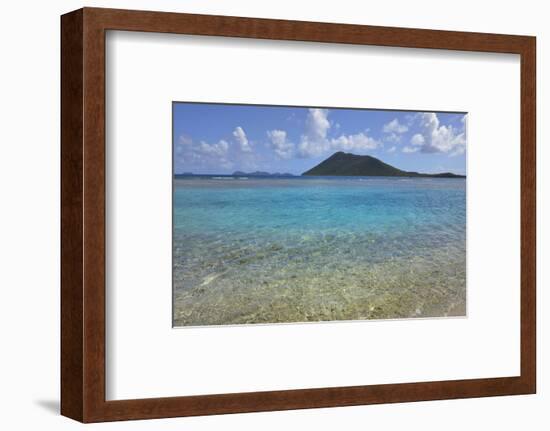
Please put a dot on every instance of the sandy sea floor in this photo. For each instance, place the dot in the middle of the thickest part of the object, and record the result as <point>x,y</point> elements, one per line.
<point>312,251</point>
<point>327,283</point>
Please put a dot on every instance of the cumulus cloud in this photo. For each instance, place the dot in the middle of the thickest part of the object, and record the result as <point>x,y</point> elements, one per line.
<point>392,138</point>
<point>438,138</point>
<point>408,149</point>
<point>317,123</point>
<point>394,126</point>
<point>278,139</point>
<point>392,149</point>
<point>182,146</point>
<point>417,140</point>
<point>359,141</point>
<point>315,141</point>
<point>219,149</point>
<point>312,148</point>
<point>393,131</point>
<point>201,155</point>
<point>242,140</point>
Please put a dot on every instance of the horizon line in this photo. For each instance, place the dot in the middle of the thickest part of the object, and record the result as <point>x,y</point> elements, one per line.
<point>282,173</point>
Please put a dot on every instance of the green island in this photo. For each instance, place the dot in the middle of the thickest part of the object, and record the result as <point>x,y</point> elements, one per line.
<point>347,164</point>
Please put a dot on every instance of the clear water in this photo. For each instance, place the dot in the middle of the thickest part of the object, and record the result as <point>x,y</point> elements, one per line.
<point>268,250</point>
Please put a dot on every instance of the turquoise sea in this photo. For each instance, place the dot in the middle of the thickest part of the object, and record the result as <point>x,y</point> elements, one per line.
<point>299,249</point>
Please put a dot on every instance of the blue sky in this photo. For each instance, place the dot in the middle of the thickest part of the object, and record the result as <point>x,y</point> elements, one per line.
<point>221,139</point>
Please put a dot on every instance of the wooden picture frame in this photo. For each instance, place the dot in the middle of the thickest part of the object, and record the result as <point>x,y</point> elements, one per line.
<point>83,334</point>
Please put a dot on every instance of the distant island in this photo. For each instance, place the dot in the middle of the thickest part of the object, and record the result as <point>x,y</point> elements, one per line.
<point>237,174</point>
<point>347,164</point>
<point>260,174</point>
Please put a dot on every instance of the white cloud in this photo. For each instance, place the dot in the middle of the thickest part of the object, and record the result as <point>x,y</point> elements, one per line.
<point>392,138</point>
<point>440,138</point>
<point>392,149</point>
<point>393,131</point>
<point>410,149</point>
<point>217,150</point>
<point>394,127</point>
<point>242,140</point>
<point>183,145</point>
<point>218,157</point>
<point>359,141</point>
<point>417,140</point>
<point>409,119</point>
<point>185,140</point>
<point>317,123</point>
<point>280,144</point>
<point>312,148</point>
<point>315,142</point>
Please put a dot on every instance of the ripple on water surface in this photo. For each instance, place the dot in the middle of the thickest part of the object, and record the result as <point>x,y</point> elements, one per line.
<point>318,250</point>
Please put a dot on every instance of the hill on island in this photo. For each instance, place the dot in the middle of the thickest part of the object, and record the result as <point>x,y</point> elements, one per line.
<point>347,164</point>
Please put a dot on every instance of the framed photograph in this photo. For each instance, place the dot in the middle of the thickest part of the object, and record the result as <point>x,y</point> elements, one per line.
<point>268,215</point>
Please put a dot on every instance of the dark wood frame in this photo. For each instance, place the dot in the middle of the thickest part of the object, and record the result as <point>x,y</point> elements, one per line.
<point>83,214</point>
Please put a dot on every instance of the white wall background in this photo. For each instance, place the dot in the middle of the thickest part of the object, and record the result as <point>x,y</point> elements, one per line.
<point>29,214</point>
